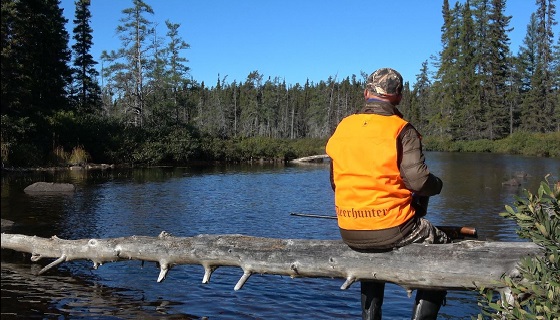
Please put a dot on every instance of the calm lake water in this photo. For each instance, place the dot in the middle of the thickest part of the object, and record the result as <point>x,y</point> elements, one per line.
<point>253,200</point>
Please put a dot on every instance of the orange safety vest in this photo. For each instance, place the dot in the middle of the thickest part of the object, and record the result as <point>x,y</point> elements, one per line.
<point>370,193</point>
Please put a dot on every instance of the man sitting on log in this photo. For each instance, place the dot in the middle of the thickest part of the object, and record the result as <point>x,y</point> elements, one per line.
<point>378,174</point>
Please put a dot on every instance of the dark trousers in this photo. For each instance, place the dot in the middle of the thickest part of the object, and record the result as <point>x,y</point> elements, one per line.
<point>372,298</point>
<point>426,306</point>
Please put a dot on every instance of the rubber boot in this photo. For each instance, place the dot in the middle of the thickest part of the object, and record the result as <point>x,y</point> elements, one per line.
<point>372,299</point>
<point>427,304</point>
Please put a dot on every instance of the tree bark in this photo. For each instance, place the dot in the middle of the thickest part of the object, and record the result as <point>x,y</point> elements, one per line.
<point>465,265</point>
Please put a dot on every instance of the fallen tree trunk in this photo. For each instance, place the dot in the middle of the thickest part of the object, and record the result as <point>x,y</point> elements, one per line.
<point>463,265</point>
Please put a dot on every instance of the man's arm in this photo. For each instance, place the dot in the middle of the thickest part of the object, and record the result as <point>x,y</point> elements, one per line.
<point>412,166</point>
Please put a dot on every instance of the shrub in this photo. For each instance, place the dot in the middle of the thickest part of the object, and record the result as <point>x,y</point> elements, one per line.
<point>482,145</point>
<point>307,147</point>
<point>514,143</point>
<point>530,144</point>
<point>78,156</point>
<point>537,295</point>
<point>436,143</point>
<point>181,144</point>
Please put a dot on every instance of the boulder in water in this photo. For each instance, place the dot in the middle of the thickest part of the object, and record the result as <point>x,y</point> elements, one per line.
<point>50,187</point>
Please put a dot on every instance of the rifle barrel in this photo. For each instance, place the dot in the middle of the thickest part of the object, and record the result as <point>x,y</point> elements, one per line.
<point>308,215</point>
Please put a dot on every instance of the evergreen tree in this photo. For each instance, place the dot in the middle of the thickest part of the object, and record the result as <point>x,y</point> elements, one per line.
<point>420,99</point>
<point>539,104</point>
<point>468,118</point>
<point>526,64</point>
<point>214,116</point>
<point>551,102</point>
<point>273,97</point>
<point>319,109</point>
<point>10,81</point>
<point>446,90</point>
<point>130,64</point>
<point>512,98</point>
<point>556,83</point>
<point>177,69</point>
<point>284,110</point>
<point>88,95</point>
<point>300,100</point>
<point>157,108</point>
<point>35,50</point>
<point>250,104</point>
<point>497,115</point>
<point>298,97</point>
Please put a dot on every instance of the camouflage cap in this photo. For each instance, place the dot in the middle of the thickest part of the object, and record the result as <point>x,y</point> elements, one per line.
<point>385,81</point>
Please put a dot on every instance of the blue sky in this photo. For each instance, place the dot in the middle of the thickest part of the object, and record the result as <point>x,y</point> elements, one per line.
<point>296,40</point>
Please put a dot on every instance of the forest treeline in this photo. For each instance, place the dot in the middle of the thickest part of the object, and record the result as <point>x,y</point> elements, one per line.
<point>142,107</point>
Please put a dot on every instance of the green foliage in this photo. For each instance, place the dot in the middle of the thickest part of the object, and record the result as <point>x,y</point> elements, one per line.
<point>525,143</point>
<point>159,146</point>
<point>537,295</point>
<point>64,127</point>
<point>305,147</point>
<point>482,145</point>
<point>100,136</point>
<point>436,143</point>
<point>531,144</point>
<point>35,59</point>
<point>515,142</point>
<point>258,149</point>
<point>261,148</point>
<point>14,129</point>
<point>85,88</point>
<point>182,144</point>
<point>149,153</point>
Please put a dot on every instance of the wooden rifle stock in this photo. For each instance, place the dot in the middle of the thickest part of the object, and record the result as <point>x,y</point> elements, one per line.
<point>454,232</point>
<point>459,232</point>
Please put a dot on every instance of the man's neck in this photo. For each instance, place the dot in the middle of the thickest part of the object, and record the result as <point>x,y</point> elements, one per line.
<point>377,100</point>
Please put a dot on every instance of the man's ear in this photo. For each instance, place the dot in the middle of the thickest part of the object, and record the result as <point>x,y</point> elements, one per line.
<point>366,93</point>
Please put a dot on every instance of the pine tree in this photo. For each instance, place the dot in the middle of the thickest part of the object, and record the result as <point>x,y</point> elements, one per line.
<point>512,98</point>
<point>497,115</point>
<point>129,65</point>
<point>446,90</point>
<point>88,93</point>
<point>251,104</point>
<point>539,103</point>
<point>556,84</point>
<point>468,118</point>
<point>527,60</point>
<point>10,74</point>
<point>177,68</point>
<point>420,99</point>
<point>35,48</point>
<point>552,104</point>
